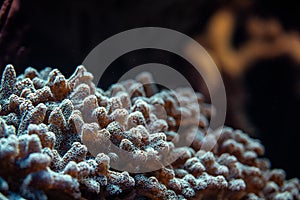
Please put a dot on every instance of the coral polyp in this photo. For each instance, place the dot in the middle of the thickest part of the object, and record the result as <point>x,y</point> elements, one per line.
<point>60,138</point>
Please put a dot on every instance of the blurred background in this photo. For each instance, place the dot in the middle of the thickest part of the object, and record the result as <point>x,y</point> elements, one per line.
<point>255,44</point>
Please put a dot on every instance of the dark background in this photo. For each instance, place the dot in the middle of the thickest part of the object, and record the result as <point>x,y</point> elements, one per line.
<point>60,34</point>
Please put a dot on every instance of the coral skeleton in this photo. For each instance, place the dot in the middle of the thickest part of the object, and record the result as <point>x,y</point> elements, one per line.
<point>60,138</point>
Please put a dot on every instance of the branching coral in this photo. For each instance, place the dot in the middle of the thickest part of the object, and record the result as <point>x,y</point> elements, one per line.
<point>61,138</point>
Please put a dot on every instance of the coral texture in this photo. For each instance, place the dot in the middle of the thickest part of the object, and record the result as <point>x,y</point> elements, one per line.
<point>57,137</point>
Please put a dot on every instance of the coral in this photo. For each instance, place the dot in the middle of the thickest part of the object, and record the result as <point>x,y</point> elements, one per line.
<point>12,32</point>
<point>64,138</point>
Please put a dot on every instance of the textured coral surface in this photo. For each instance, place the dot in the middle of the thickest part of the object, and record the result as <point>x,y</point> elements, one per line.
<point>57,137</point>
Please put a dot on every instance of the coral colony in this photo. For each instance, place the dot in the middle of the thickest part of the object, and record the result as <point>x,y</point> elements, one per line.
<point>45,126</point>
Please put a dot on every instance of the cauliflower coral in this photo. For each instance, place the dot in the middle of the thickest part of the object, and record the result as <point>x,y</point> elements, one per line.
<point>59,138</point>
